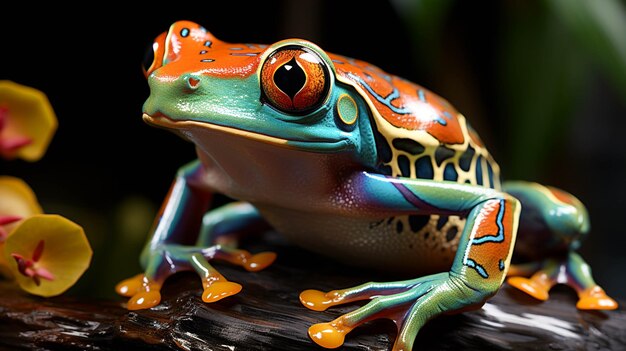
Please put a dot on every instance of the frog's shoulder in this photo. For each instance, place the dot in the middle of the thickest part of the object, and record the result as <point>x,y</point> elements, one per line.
<point>400,103</point>
<point>418,133</point>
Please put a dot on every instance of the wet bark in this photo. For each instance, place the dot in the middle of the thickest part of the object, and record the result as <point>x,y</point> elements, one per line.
<point>267,315</point>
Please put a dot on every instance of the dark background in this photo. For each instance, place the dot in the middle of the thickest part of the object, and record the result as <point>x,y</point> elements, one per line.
<point>544,97</point>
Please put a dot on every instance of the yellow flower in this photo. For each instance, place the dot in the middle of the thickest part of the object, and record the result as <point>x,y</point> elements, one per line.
<point>27,122</point>
<point>17,198</point>
<point>48,253</point>
<point>17,201</point>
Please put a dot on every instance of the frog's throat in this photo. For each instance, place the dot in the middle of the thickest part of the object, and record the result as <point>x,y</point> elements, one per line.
<point>163,121</point>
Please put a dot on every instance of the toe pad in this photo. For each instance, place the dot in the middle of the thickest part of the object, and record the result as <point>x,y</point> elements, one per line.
<point>530,287</point>
<point>220,290</point>
<point>259,261</point>
<point>328,335</point>
<point>144,300</point>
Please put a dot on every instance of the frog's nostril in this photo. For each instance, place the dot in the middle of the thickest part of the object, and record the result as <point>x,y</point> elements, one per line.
<point>193,82</point>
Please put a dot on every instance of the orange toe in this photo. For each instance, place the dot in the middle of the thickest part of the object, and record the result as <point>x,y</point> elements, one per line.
<point>144,300</point>
<point>259,261</point>
<point>317,300</point>
<point>595,299</point>
<point>329,335</point>
<point>131,286</point>
<point>531,287</point>
<point>219,290</point>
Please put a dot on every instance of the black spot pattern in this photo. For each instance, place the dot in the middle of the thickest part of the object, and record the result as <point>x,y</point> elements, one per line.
<point>384,150</point>
<point>449,173</point>
<point>405,165</point>
<point>451,233</point>
<point>416,223</point>
<point>465,161</point>
<point>490,175</point>
<point>399,227</point>
<point>376,224</point>
<point>409,145</point>
<point>424,168</point>
<point>385,169</point>
<point>443,153</point>
<point>479,170</point>
<point>441,222</point>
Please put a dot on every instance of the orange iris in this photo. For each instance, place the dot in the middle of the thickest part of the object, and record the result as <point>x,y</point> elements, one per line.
<point>294,80</point>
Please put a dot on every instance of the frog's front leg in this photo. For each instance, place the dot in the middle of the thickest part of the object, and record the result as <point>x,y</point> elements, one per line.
<point>477,272</point>
<point>182,220</point>
<point>553,224</point>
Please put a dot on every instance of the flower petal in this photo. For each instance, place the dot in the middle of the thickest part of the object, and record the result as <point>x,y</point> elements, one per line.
<point>28,116</point>
<point>16,200</point>
<point>65,258</point>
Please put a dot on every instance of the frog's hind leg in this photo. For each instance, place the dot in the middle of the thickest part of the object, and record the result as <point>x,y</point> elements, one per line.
<point>477,272</point>
<point>552,226</point>
<point>224,225</point>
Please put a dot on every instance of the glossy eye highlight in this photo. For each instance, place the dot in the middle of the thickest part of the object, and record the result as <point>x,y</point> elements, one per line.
<point>294,80</point>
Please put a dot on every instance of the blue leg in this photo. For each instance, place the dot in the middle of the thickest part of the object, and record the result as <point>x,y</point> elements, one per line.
<point>182,219</point>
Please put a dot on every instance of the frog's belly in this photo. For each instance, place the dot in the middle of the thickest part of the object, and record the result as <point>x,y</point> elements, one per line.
<point>402,244</point>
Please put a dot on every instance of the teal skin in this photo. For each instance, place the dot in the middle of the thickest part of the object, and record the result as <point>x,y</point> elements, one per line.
<point>311,169</point>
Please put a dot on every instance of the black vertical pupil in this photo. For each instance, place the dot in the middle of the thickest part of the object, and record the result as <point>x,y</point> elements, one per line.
<point>148,58</point>
<point>290,78</point>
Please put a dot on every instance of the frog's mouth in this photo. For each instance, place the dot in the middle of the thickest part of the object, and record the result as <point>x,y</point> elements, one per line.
<point>320,145</point>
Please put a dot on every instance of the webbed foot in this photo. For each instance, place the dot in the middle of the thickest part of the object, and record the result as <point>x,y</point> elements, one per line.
<point>538,286</point>
<point>143,293</point>
<point>144,289</point>
<point>409,304</point>
<point>595,298</point>
<point>572,271</point>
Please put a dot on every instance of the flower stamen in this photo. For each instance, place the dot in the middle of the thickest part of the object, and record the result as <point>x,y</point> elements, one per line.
<point>29,267</point>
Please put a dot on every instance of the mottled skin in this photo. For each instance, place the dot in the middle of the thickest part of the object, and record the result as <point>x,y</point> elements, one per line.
<point>351,162</point>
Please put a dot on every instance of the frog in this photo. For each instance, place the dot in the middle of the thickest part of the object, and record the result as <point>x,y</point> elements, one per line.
<point>353,163</point>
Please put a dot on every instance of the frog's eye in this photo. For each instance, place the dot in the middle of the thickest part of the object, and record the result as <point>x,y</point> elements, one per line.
<point>148,58</point>
<point>294,80</point>
<point>154,55</point>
